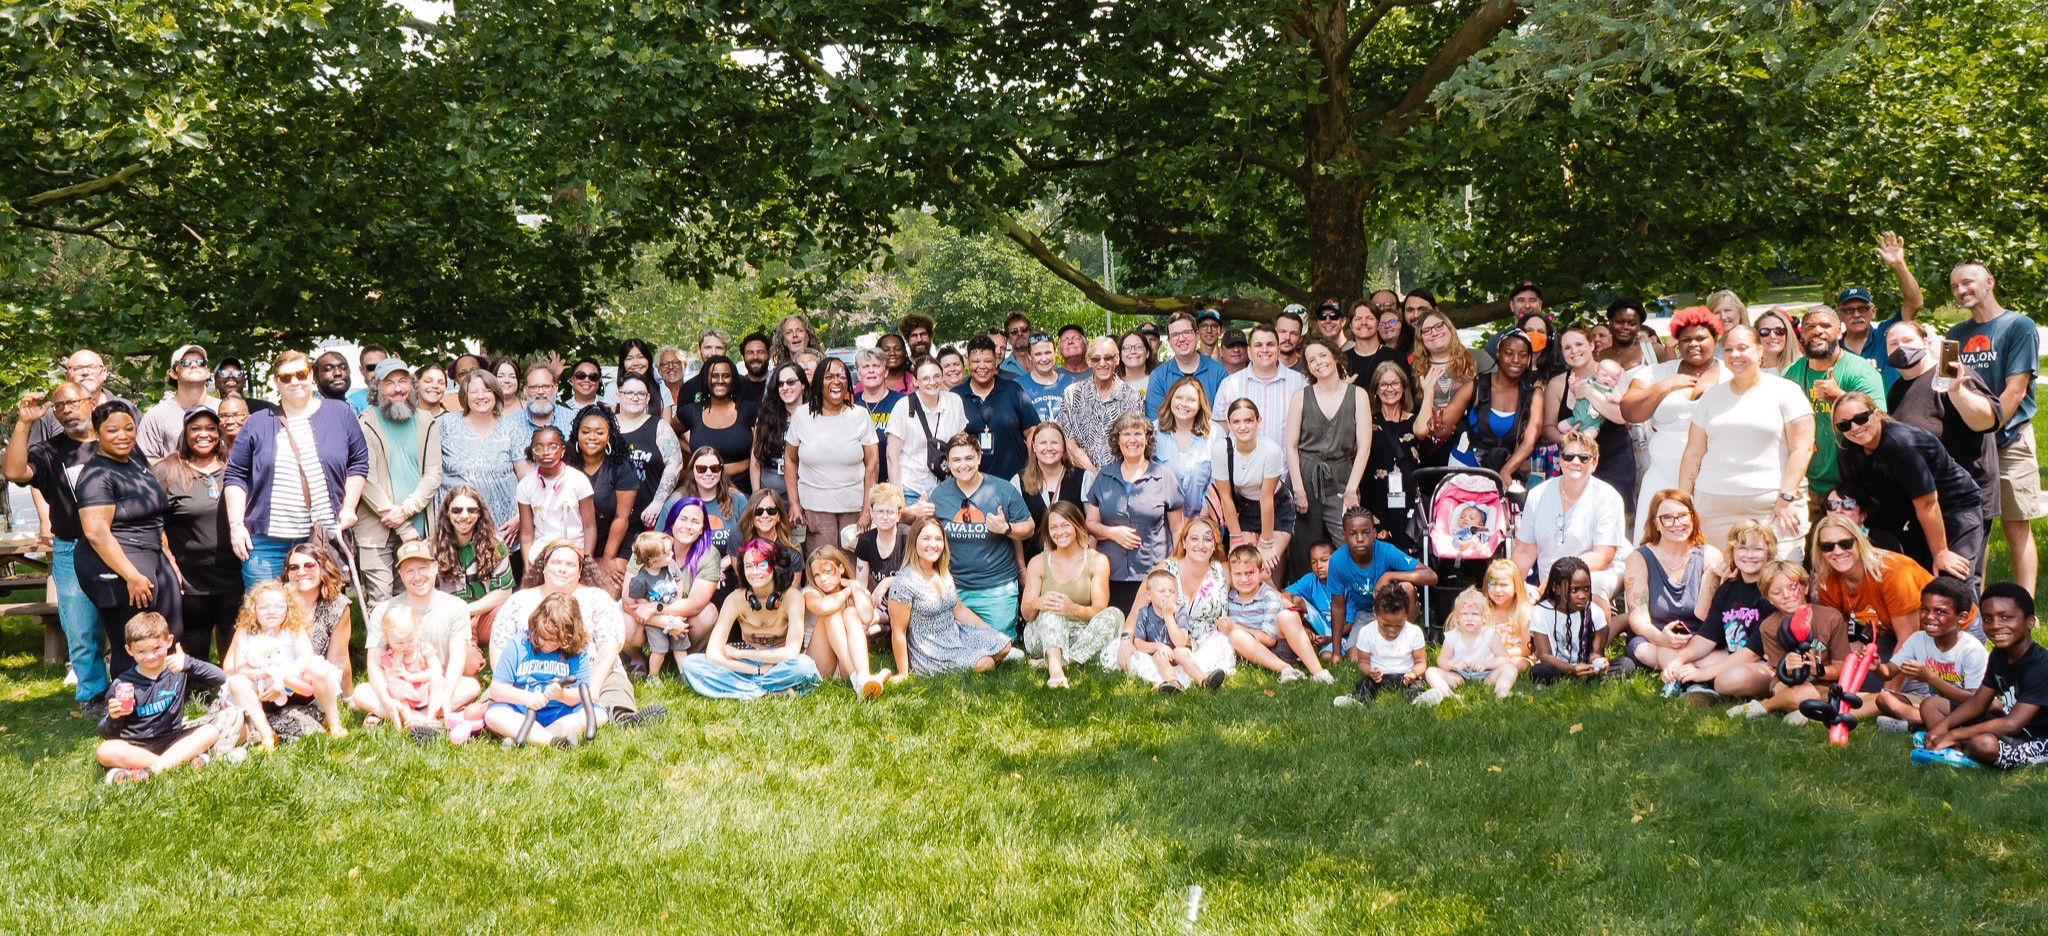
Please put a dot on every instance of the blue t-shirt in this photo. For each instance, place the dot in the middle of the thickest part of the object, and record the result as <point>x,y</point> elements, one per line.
<point>358,399</point>
<point>981,560</point>
<point>533,671</point>
<point>1316,595</point>
<point>1209,372</point>
<point>999,421</point>
<point>1997,350</point>
<point>1046,399</point>
<point>1356,584</point>
<point>1151,625</point>
<point>1873,351</point>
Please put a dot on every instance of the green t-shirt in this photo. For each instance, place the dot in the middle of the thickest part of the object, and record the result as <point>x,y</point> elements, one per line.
<point>1854,375</point>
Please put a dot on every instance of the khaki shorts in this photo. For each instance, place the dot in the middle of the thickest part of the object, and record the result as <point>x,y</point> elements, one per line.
<point>2019,480</point>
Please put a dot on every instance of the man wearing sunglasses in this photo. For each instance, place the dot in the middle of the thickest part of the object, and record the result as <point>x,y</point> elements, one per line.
<point>1018,332</point>
<point>231,378</point>
<point>1574,514</point>
<point>161,428</point>
<point>586,385</point>
<point>1825,374</point>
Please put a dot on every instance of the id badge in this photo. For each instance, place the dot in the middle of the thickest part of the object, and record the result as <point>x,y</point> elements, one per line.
<point>1397,496</point>
<point>988,441</point>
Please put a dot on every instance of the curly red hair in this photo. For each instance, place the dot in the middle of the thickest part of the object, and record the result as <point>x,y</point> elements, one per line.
<point>1695,315</point>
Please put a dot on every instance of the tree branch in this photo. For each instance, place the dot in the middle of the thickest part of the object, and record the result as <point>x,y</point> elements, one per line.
<point>1295,174</point>
<point>90,188</point>
<point>1234,260</point>
<point>1231,306</point>
<point>1372,21</point>
<point>1478,30</point>
<point>83,230</point>
<point>418,25</point>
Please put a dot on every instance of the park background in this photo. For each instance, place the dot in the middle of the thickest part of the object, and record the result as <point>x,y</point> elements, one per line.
<point>539,177</point>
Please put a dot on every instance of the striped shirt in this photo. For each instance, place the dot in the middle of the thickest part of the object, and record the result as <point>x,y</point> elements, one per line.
<point>291,516</point>
<point>1272,395</point>
<point>1261,613</point>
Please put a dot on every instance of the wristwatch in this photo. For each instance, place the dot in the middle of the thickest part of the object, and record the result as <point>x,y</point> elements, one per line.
<point>1787,496</point>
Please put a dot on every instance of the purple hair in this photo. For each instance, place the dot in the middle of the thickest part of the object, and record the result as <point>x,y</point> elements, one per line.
<point>689,562</point>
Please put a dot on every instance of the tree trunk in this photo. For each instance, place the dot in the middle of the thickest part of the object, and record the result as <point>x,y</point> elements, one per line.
<point>1337,242</point>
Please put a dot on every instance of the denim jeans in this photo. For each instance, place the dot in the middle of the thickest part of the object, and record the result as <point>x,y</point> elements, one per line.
<point>266,559</point>
<point>717,682</point>
<point>80,621</point>
<point>997,607</point>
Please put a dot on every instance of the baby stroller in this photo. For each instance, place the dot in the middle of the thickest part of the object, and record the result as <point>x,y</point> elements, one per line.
<point>1461,526</point>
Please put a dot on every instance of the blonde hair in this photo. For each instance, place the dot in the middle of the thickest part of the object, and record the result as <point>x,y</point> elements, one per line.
<point>1518,610</point>
<point>1781,568</point>
<point>650,546</point>
<point>916,562</point>
<point>1718,296</point>
<point>1869,557</point>
<point>400,623</point>
<point>831,554</point>
<point>1470,598</point>
<point>1197,424</point>
<point>1745,529</point>
<point>886,493</point>
<point>295,619</point>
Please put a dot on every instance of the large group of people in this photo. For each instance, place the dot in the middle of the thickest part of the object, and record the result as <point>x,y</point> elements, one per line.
<point>1165,503</point>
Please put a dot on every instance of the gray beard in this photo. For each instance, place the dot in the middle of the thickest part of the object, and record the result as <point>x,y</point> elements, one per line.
<point>540,408</point>
<point>395,411</point>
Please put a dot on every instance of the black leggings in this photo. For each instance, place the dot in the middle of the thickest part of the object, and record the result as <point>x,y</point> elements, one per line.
<point>210,624</point>
<point>110,596</point>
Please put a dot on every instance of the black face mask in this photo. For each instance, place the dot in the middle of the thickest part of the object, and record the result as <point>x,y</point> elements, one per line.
<point>1906,358</point>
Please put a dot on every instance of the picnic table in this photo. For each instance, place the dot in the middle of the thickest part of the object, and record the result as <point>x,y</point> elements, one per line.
<point>24,564</point>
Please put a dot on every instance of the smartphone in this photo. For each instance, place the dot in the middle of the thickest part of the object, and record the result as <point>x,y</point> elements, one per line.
<point>1951,352</point>
<point>1679,627</point>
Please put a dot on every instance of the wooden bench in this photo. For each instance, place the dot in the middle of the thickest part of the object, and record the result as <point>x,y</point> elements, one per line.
<point>54,651</point>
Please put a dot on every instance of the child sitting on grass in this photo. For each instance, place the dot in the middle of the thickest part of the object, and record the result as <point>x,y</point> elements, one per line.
<point>1814,662</point>
<point>1936,661</point>
<point>541,674</point>
<point>1158,649</point>
<point>406,675</point>
<point>1471,651</point>
<point>1313,592</point>
<point>145,727</point>
<point>1567,631</point>
<point>648,597</point>
<point>1508,610</point>
<point>2017,674</point>
<point>1392,652</point>
<point>1261,628</point>
<point>272,658</point>
<point>843,611</point>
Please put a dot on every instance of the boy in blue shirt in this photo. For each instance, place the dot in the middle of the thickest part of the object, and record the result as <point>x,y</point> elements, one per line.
<point>145,729</point>
<point>1357,570</point>
<point>543,672</point>
<point>1314,589</point>
<point>1263,629</point>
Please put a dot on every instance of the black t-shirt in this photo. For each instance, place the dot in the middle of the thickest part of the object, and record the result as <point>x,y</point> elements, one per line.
<point>691,392</point>
<point>734,443</point>
<point>1735,617</point>
<point>1909,462</point>
<point>197,529</point>
<point>53,466</point>
<point>138,501</point>
<point>1912,401</point>
<point>868,550</point>
<point>160,702</point>
<point>605,484</point>
<point>2022,680</point>
<point>48,427</point>
<point>1362,366</point>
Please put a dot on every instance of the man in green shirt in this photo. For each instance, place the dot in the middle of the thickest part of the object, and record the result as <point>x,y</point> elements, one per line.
<point>1825,373</point>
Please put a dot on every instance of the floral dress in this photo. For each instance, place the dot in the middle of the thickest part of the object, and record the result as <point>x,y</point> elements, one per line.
<point>1211,597</point>
<point>939,642</point>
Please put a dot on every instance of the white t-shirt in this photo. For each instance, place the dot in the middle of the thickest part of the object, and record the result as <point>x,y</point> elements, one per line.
<point>947,419</point>
<point>557,504</point>
<point>1595,520</point>
<point>1391,657</point>
<point>830,450</point>
<point>1668,424</point>
<point>1746,436</point>
<point>1548,621</point>
<point>1265,461</point>
<point>1961,665</point>
<point>444,625</point>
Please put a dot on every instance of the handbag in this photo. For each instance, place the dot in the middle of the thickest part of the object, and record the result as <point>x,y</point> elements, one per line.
<point>934,451</point>
<point>324,539</point>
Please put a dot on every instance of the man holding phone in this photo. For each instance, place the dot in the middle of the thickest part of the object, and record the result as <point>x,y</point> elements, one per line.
<point>2004,349</point>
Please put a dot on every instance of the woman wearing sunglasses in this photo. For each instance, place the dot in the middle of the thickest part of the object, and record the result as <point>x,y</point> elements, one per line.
<point>725,507</point>
<point>766,519</point>
<point>1574,514</point>
<point>294,469</point>
<point>1875,589</point>
<point>1912,488</point>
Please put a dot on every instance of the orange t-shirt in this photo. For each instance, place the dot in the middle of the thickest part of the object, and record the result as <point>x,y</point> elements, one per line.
<point>1877,602</point>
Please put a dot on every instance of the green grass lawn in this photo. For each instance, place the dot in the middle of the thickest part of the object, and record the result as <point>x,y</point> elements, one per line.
<point>989,805</point>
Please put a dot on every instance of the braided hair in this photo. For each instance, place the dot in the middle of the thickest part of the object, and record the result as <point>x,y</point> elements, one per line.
<point>1575,638</point>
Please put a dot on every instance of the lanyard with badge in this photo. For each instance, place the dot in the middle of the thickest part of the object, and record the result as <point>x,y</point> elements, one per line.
<point>988,417</point>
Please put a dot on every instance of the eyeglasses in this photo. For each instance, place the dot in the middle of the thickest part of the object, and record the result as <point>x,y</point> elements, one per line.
<point>789,382</point>
<point>1020,330</point>
<point>1855,421</point>
<point>1670,519</point>
<point>60,404</point>
<point>302,566</point>
<point>1575,456</point>
<point>767,511</point>
<point>707,469</point>
<point>1434,328</point>
<point>464,511</point>
<point>293,376</point>
<point>1776,331</point>
<point>1037,337</point>
<point>192,362</point>
<point>583,375</point>
<point>1329,316</point>
<point>1838,502</point>
<point>633,395</point>
<point>1829,546</point>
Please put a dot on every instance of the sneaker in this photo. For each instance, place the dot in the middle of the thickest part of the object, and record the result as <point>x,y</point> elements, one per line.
<point>654,712</point>
<point>93,709</point>
<point>1890,725</point>
<point>1346,701</point>
<point>1919,739</point>
<point>562,743</point>
<point>1795,718</point>
<point>1432,698</point>
<point>1626,666</point>
<point>1214,681</point>
<point>127,775</point>
<point>1670,690</point>
<point>871,688</point>
<point>1167,688</point>
<point>1751,709</point>
<point>1323,677</point>
<point>1289,675</point>
<point>1950,757</point>
<point>1700,695</point>
<point>1013,656</point>
<point>462,729</point>
<point>425,733</point>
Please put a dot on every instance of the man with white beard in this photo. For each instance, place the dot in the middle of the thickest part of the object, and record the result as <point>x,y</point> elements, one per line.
<point>405,471</point>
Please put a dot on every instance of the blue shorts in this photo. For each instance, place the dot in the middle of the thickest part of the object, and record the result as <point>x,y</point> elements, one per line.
<point>1473,675</point>
<point>549,713</point>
